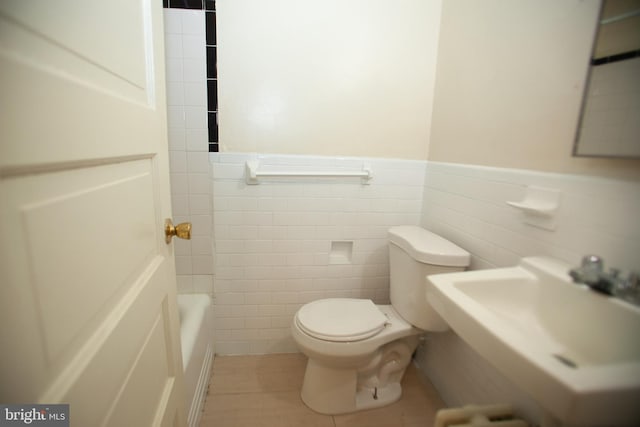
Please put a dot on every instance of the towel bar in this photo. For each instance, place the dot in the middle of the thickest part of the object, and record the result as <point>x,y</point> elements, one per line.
<point>252,174</point>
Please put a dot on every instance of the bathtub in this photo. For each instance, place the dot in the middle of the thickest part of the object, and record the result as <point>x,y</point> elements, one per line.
<point>197,350</point>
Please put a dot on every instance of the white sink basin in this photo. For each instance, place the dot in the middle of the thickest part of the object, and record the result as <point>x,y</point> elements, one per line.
<point>576,352</point>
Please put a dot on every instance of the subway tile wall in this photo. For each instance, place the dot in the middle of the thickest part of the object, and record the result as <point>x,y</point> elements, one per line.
<point>466,204</point>
<point>461,376</point>
<point>185,38</point>
<point>206,9</point>
<point>274,241</point>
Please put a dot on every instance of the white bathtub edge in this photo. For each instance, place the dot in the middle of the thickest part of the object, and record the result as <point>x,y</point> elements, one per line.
<point>196,315</point>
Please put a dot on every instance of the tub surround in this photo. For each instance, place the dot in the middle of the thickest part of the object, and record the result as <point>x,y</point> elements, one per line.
<point>194,18</point>
<point>186,40</point>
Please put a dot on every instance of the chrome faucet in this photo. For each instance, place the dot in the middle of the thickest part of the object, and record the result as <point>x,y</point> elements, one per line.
<point>591,273</point>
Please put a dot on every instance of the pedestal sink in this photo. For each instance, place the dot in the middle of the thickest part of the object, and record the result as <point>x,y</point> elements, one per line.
<point>575,351</point>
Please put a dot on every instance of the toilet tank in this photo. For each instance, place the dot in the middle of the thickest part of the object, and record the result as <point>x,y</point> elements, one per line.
<point>415,253</point>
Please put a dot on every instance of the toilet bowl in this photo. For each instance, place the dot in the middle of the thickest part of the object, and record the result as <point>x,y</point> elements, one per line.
<point>358,351</point>
<point>346,376</point>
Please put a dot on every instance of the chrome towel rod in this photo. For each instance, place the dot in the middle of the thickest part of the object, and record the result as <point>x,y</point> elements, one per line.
<point>252,173</point>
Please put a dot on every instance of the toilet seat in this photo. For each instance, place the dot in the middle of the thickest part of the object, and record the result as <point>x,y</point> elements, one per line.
<point>341,319</point>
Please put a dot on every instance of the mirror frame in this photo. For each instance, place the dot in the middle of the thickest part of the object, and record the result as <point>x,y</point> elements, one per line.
<point>576,145</point>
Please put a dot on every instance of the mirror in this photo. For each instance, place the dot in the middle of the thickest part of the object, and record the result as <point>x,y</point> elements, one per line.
<point>610,121</point>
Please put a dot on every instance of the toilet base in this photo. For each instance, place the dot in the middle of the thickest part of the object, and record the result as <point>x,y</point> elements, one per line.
<point>380,396</point>
<point>335,390</point>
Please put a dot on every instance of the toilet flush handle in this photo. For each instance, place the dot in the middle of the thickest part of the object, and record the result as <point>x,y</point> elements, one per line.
<point>182,230</point>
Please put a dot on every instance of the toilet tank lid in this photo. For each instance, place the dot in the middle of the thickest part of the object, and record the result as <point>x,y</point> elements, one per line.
<point>427,247</point>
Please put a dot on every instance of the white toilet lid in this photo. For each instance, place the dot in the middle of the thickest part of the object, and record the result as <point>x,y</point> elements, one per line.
<point>341,319</point>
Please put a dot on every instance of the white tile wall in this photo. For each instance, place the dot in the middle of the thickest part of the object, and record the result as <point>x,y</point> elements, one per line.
<point>273,241</point>
<point>462,377</point>
<point>188,145</point>
<point>466,204</point>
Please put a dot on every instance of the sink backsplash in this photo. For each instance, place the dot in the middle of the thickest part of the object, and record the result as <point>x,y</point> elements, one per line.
<point>466,204</point>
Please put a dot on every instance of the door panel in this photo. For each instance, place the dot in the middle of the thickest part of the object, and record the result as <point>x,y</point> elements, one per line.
<point>137,349</point>
<point>153,359</point>
<point>122,53</point>
<point>81,108</point>
<point>94,224</point>
<point>88,311</point>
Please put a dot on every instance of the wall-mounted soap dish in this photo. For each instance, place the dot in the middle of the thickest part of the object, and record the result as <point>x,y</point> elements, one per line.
<point>539,206</point>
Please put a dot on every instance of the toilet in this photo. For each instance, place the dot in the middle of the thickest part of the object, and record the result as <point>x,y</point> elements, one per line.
<point>358,351</point>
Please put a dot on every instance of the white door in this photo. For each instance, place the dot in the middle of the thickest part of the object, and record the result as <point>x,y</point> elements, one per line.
<point>87,294</point>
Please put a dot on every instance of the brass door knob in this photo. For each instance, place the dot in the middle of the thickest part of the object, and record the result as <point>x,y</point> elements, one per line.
<point>182,230</point>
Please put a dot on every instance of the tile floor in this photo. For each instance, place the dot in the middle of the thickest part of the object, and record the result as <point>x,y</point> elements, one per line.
<point>264,391</point>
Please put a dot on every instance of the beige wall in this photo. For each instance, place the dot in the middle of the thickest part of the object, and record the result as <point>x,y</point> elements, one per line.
<point>509,84</point>
<point>357,79</point>
<point>351,78</point>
